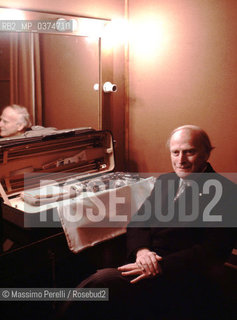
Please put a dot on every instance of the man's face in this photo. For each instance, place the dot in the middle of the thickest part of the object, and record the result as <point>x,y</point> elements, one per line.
<point>9,123</point>
<point>187,153</point>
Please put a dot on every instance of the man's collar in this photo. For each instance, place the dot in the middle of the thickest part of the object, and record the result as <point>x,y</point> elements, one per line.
<point>196,175</point>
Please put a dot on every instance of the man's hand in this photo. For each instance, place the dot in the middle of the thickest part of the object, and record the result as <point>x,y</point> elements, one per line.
<point>148,261</point>
<point>132,269</point>
<point>146,266</point>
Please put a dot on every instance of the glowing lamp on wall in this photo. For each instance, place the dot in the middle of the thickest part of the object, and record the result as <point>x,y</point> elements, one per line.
<point>11,14</point>
<point>89,27</point>
<point>149,36</point>
<point>115,33</point>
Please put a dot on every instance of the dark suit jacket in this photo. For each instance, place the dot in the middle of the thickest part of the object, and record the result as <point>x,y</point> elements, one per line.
<point>187,246</point>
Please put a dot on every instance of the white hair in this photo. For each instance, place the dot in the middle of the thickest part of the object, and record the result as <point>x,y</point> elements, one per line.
<point>24,115</point>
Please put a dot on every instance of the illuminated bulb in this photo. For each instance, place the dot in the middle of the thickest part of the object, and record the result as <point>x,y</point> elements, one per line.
<point>91,27</point>
<point>149,37</point>
<point>115,33</point>
<point>11,14</point>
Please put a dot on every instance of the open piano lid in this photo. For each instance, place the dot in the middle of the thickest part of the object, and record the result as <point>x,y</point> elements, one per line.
<point>77,151</point>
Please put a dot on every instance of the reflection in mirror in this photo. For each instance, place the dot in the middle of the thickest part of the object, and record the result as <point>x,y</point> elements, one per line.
<point>25,80</point>
<point>4,69</point>
<point>69,65</point>
<point>53,75</point>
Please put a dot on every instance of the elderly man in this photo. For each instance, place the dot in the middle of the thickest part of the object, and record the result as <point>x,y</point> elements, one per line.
<point>15,120</point>
<point>173,262</point>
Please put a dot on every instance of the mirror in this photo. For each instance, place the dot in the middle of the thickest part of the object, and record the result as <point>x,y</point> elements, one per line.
<point>52,73</point>
<point>70,66</point>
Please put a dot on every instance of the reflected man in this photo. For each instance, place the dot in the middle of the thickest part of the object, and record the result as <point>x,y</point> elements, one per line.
<point>15,120</point>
